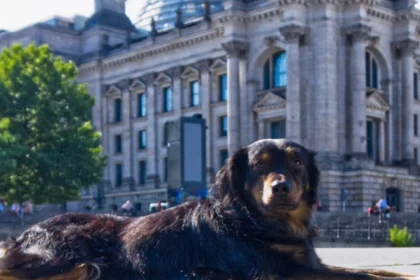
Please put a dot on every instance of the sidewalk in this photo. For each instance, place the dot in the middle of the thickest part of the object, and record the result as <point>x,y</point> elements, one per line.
<point>406,260</point>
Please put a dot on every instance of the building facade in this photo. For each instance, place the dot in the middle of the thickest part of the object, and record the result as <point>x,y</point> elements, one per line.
<point>340,77</point>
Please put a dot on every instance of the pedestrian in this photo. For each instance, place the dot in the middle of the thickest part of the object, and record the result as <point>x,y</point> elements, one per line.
<point>382,207</point>
<point>127,207</point>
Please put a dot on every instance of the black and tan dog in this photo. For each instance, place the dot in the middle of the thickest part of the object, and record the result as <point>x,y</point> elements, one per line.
<point>257,225</point>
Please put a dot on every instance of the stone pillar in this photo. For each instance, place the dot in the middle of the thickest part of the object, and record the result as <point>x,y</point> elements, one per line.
<point>389,134</point>
<point>250,129</point>
<point>177,91</point>
<point>152,143</point>
<point>205,95</point>
<point>382,145</point>
<point>261,130</point>
<point>359,36</point>
<point>407,51</point>
<point>292,34</point>
<point>234,50</point>
<point>245,112</point>
<point>127,143</point>
<point>105,131</point>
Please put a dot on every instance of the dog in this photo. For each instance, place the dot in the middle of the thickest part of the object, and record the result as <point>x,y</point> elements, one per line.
<point>257,224</point>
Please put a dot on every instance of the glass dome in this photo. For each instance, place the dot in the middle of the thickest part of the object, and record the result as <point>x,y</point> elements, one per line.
<point>164,12</point>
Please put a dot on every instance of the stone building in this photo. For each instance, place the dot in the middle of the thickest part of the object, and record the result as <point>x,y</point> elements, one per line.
<point>339,76</point>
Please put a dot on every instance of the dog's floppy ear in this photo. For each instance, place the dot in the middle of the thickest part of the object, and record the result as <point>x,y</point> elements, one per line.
<point>230,180</point>
<point>313,178</point>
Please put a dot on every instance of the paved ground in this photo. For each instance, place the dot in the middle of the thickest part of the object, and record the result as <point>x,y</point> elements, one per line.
<point>405,260</point>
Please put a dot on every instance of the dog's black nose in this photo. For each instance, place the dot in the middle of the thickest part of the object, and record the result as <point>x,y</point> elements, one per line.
<point>280,187</point>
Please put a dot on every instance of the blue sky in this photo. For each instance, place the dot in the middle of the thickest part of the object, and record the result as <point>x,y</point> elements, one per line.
<point>15,14</point>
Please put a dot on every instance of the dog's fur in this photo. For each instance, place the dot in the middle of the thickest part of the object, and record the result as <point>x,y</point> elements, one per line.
<point>257,225</point>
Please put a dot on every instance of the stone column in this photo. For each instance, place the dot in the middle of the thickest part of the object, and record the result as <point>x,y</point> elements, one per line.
<point>152,143</point>
<point>205,94</point>
<point>382,145</point>
<point>261,129</point>
<point>234,50</point>
<point>244,109</point>
<point>127,148</point>
<point>386,86</point>
<point>105,100</point>
<point>250,129</point>
<point>407,49</point>
<point>292,34</point>
<point>359,37</point>
<point>177,91</point>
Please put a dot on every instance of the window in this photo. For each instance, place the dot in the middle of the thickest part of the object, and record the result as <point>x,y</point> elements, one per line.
<point>275,71</point>
<point>165,134</point>
<point>142,172</point>
<point>223,155</point>
<point>141,103</point>
<point>118,144</point>
<point>393,198</point>
<point>223,126</point>
<point>278,129</point>
<point>416,159</point>
<point>118,174</point>
<point>416,132</point>
<point>195,93</point>
<point>142,141</point>
<point>372,74</point>
<point>117,110</point>
<point>372,137</point>
<point>416,85</point>
<point>223,87</point>
<point>167,99</point>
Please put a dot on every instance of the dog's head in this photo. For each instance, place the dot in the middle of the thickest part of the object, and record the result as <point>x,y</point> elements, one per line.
<point>271,177</point>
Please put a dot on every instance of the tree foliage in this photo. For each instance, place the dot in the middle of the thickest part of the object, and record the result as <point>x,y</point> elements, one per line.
<point>48,147</point>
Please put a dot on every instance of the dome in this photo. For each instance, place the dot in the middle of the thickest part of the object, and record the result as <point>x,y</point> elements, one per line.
<point>164,12</point>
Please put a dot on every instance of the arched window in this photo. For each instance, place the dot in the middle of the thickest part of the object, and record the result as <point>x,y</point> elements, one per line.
<point>275,71</point>
<point>372,72</point>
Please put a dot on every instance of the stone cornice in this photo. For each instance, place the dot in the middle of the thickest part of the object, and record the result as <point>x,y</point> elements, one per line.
<point>253,16</point>
<point>154,50</point>
<point>331,2</point>
<point>381,14</point>
<point>391,16</point>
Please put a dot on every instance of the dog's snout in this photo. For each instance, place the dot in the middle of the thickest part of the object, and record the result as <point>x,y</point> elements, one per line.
<point>280,187</point>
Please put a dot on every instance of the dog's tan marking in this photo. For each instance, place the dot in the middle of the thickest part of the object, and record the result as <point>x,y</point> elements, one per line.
<point>297,252</point>
<point>298,218</point>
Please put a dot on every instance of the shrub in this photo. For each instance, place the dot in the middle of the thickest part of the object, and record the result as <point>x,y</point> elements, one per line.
<point>401,237</point>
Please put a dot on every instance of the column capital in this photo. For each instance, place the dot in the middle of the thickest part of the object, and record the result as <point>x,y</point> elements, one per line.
<point>236,48</point>
<point>270,40</point>
<point>292,33</point>
<point>406,47</point>
<point>359,32</point>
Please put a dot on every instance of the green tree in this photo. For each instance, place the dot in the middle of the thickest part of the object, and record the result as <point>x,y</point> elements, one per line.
<point>48,147</point>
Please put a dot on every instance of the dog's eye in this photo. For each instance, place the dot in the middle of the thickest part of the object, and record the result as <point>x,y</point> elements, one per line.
<point>258,164</point>
<point>297,163</point>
